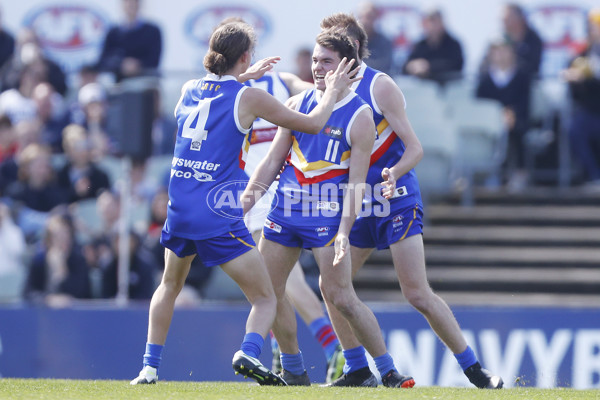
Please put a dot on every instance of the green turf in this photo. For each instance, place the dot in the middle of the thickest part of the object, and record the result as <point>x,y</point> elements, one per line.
<point>76,389</point>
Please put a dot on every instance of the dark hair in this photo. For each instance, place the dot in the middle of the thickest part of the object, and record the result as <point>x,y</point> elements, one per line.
<point>517,10</point>
<point>5,122</point>
<point>350,25</point>
<point>338,41</point>
<point>227,44</point>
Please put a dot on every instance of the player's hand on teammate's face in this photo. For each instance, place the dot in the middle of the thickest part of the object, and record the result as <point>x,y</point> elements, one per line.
<point>259,68</point>
<point>341,248</point>
<point>343,76</point>
<point>389,183</point>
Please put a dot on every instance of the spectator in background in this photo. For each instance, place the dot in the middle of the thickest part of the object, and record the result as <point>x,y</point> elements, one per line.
<point>98,249</point>
<point>105,254</point>
<point>7,44</point>
<point>52,115</point>
<point>17,138</point>
<point>380,46</point>
<point>17,103</point>
<point>508,82</point>
<point>142,270</point>
<point>29,51</point>
<point>12,256</point>
<point>304,64</point>
<point>36,192</point>
<point>36,188</point>
<point>132,48</point>
<point>525,40</point>
<point>58,272</point>
<point>87,73</point>
<point>91,112</point>
<point>198,275</point>
<point>438,55</point>
<point>8,141</point>
<point>164,128</point>
<point>80,178</point>
<point>583,77</point>
<point>109,207</point>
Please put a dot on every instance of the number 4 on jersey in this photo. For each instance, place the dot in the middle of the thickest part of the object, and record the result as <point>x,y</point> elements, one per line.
<point>194,125</point>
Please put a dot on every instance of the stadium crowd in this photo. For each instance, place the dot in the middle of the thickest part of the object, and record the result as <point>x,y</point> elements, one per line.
<point>59,161</point>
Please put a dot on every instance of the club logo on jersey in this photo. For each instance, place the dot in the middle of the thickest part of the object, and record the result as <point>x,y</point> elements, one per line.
<point>400,191</point>
<point>333,131</point>
<point>195,145</point>
<point>273,226</point>
<point>397,221</point>
<point>322,231</point>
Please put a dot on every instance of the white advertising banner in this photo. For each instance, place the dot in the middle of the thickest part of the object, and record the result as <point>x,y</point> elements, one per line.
<point>72,30</point>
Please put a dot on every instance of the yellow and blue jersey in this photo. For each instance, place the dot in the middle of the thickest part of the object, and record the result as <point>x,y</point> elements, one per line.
<point>311,184</point>
<point>388,147</point>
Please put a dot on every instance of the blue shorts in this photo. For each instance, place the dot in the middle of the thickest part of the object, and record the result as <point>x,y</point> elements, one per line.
<point>307,236</point>
<point>380,232</point>
<point>214,251</point>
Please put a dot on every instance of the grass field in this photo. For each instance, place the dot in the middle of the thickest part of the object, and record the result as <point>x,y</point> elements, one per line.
<point>97,390</point>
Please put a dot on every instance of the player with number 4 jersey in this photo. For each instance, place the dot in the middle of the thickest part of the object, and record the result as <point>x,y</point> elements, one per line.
<point>213,116</point>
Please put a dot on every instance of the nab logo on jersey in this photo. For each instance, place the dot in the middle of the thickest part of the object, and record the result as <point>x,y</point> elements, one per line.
<point>333,131</point>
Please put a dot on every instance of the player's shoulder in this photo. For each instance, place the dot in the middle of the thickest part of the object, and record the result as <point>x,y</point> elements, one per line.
<point>365,114</point>
<point>294,101</point>
<point>189,85</point>
<point>384,86</point>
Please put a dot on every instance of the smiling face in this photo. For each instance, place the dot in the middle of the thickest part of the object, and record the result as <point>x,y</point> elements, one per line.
<point>323,61</point>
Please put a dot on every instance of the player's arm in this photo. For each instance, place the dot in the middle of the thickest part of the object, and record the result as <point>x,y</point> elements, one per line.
<point>362,137</point>
<point>267,170</point>
<point>258,103</point>
<point>294,83</point>
<point>391,102</point>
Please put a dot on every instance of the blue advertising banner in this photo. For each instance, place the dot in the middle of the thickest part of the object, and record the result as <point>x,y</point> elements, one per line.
<point>542,347</point>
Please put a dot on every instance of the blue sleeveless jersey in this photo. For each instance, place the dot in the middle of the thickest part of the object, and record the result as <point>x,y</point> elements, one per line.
<point>388,147</point>
<point>309,185</point>
<point>203,195</point>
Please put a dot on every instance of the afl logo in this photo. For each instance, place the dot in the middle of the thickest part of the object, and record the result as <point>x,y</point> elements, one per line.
<point>402,23</point>
<point>560,26</point>
<point>322,229</point>
<point>201,23</point>
<point>67,27</point>
<point>397,219</point>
